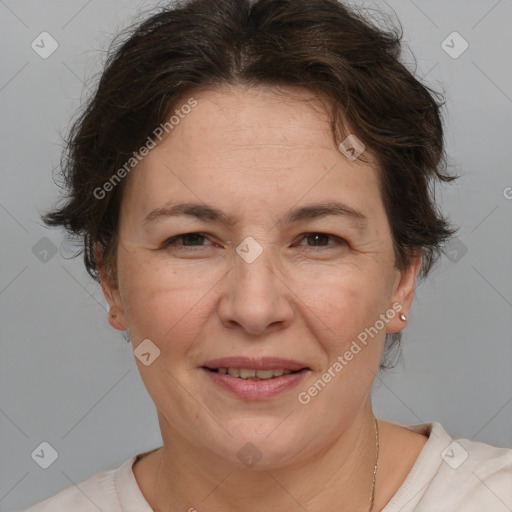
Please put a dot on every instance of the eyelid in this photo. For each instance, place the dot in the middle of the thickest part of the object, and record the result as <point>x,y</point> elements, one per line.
<point>174,238</point>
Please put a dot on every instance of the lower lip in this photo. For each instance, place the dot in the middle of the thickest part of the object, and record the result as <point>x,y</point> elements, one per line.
<point>259,389</point>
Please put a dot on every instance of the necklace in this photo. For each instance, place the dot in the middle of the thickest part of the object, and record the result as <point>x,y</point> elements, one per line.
<point>372,493</point>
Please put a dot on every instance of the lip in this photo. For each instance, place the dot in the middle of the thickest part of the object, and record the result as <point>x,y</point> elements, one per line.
<point>256,390</point>
<point>263,363</point>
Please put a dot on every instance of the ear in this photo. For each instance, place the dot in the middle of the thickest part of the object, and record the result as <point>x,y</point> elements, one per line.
<point>116,317</point>
<point>403,293</point>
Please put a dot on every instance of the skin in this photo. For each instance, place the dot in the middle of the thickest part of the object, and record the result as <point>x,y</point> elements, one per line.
<point>255,153</point>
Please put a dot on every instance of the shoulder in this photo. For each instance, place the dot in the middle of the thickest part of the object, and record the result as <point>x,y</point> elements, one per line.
<point>474,475</point>
<point>456,475</point>
<point>98,492</point>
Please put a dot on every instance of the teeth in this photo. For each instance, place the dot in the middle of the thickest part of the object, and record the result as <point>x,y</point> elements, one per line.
<point>234,372</point>
<point>261,374</point>
<point>251,373</point>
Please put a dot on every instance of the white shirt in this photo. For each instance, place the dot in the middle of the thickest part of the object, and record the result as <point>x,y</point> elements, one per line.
<point>448,476</point>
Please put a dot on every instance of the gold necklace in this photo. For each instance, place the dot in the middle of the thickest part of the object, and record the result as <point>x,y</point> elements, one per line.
<point>372,493</point>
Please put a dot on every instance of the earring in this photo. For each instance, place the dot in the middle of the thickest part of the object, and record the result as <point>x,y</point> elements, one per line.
<point>403,317</point>
<point>112,315</point>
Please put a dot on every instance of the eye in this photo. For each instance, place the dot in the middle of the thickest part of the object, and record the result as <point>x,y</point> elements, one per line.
<point>322,239</point>
<point>186,240</point>
<point>195,241</point>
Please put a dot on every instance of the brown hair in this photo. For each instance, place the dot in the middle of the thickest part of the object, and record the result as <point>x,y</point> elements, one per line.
<point>321,45</point>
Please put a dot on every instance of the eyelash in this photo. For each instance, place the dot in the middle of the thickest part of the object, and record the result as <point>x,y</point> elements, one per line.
<point>172,241</point>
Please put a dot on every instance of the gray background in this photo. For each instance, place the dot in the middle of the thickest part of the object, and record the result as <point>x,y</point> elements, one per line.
<point>69,379</point>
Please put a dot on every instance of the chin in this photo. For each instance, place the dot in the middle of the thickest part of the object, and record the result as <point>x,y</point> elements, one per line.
<point>263,444</point>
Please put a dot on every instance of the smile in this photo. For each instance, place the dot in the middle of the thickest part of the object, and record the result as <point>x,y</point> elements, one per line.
<point>252,374</point>
<point>261,379</point>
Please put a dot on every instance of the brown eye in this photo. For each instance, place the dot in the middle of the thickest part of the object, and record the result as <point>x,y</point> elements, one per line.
<point>321,240</point>
<point>186,240</point>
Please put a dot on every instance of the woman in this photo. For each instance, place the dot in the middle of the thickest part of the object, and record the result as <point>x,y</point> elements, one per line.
<point>252,181</point>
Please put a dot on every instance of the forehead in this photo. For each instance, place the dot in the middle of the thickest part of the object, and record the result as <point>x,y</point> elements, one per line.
<point>246,148</point>
<point>261,118</point>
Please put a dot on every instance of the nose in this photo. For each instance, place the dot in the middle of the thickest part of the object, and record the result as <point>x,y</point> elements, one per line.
<point>255,298</point>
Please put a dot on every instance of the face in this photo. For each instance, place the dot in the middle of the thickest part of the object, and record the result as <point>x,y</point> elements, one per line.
<point>285,262</point>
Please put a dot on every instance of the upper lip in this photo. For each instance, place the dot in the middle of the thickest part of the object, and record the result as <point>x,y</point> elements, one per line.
<point>263,363</point>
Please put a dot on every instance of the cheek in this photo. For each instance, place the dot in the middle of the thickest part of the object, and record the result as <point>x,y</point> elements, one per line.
<point>343,302</point>
<point>165,305</point>
<point>341,313</point>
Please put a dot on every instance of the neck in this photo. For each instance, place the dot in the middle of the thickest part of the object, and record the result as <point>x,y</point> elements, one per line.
<point>341,476</point>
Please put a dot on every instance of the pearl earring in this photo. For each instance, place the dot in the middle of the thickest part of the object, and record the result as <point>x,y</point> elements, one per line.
<point>403,317</point>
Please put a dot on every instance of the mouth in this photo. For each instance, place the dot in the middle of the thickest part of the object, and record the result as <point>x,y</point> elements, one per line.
<point>253,374</point>
<point>255,379</point>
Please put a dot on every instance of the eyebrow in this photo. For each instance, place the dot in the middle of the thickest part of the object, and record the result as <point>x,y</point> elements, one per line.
<point>209,213</point>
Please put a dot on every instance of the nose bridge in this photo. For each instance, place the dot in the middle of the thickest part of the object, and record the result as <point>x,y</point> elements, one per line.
<point>255,296</point>
<point>254,273</point>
